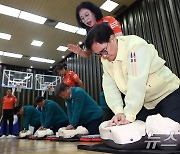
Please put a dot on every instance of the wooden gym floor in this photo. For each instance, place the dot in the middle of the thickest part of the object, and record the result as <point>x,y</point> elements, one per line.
<point>24,146</point>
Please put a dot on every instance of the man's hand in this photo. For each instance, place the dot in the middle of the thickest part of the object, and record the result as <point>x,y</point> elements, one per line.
<point>42,128</point>
<point>23,131</point>
<point>70,127</point>
<point>118,119</point>
<point>74,48</point>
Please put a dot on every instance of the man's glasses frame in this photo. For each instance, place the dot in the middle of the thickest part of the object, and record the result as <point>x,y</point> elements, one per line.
<point>103,52</point>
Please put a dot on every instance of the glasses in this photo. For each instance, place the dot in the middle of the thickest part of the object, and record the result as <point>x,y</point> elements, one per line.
<point>103,52</point>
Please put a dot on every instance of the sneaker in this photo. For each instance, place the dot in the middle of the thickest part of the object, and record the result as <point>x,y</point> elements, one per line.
<point>11,136</point>
<point>3,136</point>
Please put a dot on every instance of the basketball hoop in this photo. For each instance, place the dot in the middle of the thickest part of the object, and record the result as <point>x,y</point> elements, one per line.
<point>46,83</point>
<point>17,80</point>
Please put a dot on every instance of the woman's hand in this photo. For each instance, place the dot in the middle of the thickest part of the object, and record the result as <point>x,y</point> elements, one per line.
<point>77,50</point>
<point>74,48</point>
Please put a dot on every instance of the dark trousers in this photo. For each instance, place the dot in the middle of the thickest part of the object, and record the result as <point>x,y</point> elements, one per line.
<point>93,126</point>
<point>8,114</point>
<point>168,107</point>
<point>56,128</point>
<point>107,114</point>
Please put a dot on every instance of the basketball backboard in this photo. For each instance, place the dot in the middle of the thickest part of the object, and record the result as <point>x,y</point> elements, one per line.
<point>46,83</point>
<point>17,79</point>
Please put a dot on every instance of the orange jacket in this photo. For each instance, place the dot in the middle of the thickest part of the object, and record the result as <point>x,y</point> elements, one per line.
<point>9,102</point>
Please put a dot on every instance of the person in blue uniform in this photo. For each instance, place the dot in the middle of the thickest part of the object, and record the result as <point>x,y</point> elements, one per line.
<point>107,112</point>
<point>31,116</point>
<point>81,108</point>
<point>52,115</point>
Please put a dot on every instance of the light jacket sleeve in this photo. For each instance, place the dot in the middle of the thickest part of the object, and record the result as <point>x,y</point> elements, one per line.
<point>138,72</point>
<point>112,93</point>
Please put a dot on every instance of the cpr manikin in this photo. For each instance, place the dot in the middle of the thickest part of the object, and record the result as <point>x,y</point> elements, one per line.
<point>71,133</point>
<point>165,129</point>
<point>136,135</point>
<point>24,134</point>
<point>129,136</point>
<point>43,133</point>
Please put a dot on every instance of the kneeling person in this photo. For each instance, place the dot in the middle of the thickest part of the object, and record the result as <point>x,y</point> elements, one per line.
<point>52,115</point>
<point>31,116</point>
<point>81,108</point>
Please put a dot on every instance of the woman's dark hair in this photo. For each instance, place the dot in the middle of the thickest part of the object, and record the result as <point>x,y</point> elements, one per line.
<point>60,66</point>
<point>90,6</point>
<point>60,88</point>
<point>17,109</point>
<point>39,99</point>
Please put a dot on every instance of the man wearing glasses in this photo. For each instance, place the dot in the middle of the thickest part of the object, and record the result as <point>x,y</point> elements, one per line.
<point>132,67</point>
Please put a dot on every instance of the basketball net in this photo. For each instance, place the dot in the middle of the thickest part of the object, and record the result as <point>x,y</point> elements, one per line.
<point>43,91</point>
<point>13,90</point>
<point>50,90</point>
<point>18,87</point>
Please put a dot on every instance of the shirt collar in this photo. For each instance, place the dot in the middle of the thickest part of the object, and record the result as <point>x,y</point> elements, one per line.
<point>46,104</point>
<point>121,48</point>
<point>72,93</point>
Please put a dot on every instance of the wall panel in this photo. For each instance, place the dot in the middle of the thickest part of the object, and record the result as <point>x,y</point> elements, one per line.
<point>89,70</point>
<point>158,22</point>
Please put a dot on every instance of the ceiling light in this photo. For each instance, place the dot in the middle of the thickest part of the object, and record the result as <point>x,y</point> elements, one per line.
<point>50,67</point>
<point>32,17</point>
<point>5,36</point>
<point>81,31</point>
<point>109,5</point>
<point>13,55</point>
<point>31,67</point>
<point>62,48</point>
<point>43,60</point>
<point>67,27</point>
<point>9,11</point>
<point>1,53</point>
<point>37,43</point>
<point>63,56</point>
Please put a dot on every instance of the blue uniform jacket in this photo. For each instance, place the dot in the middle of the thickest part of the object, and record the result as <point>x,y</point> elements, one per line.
<point>81,108</point>
<point>31,116</point>
<point>52,114</point>
<point>103,103</point>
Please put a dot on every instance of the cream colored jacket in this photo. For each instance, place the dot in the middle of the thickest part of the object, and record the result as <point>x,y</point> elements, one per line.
<point>140,74</point>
